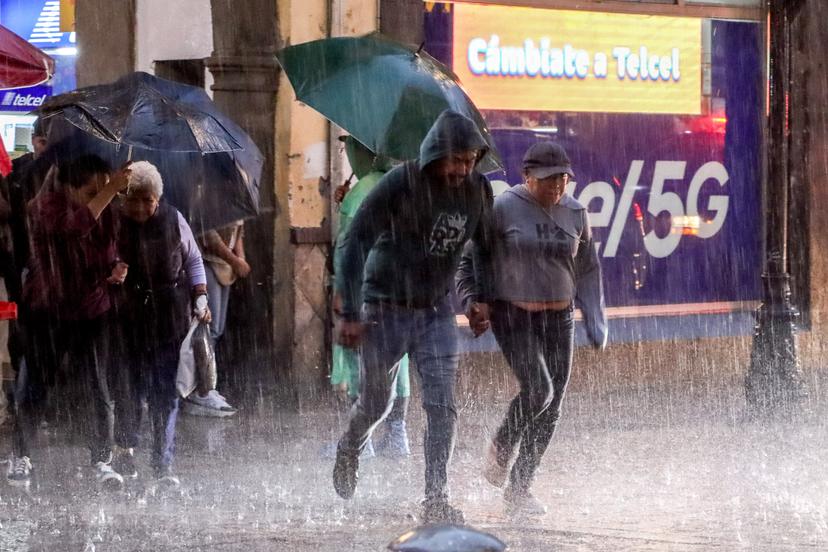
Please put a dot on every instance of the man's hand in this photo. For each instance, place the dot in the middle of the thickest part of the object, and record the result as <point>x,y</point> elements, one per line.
<point>119,273</point>
<point>241,267</point>
<point>349,334</point>
<point>478,315</point>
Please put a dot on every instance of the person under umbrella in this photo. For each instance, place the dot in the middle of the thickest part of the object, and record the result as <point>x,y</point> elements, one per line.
<point>165,286</point>
<point>540,260</point>
<point>66,308</point>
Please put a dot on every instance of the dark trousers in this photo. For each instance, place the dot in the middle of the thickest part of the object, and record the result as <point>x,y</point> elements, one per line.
<point>538,347</point>
<point>430,336</point>
<point>149,374</point>
<point>85,343</point>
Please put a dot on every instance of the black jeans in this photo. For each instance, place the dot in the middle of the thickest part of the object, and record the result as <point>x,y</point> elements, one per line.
<point>149,374</point>
<point>86,345</point>
<point>538,347</point>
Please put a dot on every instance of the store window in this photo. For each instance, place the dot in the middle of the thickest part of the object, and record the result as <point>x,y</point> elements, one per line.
<point>662,119</point>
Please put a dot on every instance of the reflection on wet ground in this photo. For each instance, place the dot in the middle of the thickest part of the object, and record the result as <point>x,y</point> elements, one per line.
<point>258,482</point>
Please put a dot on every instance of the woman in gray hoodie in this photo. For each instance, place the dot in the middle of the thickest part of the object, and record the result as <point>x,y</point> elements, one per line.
<point>538,263</point>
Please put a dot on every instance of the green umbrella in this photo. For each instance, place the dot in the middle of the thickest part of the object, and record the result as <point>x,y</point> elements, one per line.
<point>385,94</point>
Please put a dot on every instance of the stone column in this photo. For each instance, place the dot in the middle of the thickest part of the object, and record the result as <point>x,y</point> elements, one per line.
<point>106,40</point>
<point>403,20</point>
<point>243,64</point>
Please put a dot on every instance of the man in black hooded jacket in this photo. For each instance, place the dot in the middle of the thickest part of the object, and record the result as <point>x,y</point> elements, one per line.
<point>401,254</point>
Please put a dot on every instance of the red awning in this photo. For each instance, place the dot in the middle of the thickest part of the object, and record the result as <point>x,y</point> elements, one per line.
<point>22,64</point>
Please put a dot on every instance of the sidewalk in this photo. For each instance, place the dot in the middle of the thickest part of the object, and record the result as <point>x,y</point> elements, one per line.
<point>632,480</point>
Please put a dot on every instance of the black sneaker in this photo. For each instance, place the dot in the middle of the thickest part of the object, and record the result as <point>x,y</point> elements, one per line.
<point>438,510</point>
<point>124,463</point>
<point>20,471</point>
<point>345,473</point>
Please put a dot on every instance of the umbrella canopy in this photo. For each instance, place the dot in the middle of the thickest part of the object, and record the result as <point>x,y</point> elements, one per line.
<point>144,111</point>
<point>21,64</point>
<point>210,189</point>
<point>385,94</point>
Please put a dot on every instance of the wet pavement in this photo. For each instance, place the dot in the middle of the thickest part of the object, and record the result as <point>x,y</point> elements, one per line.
<point>633,480</point>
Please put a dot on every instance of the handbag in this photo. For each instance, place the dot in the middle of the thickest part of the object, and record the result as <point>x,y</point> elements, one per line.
<point>224,272</point>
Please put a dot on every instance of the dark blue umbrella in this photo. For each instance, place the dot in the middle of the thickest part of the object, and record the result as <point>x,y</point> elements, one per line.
<point>211,167</point>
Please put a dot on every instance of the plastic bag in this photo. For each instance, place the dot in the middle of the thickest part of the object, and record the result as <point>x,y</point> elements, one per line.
<point>196,361</point>
<point>205,359</point>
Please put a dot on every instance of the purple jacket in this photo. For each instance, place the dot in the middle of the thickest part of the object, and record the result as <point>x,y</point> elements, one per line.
<point>72,255</point>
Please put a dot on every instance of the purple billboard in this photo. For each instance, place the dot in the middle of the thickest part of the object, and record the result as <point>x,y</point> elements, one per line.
<point>674,200</point>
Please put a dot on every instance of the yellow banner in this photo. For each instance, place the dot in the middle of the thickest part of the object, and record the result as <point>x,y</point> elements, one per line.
<point>516,58</point>
<point>67,16</point>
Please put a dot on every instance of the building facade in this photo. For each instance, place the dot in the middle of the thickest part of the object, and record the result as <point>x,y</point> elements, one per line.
<point>683,262</point>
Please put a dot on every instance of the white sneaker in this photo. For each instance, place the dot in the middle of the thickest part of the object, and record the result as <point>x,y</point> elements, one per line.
<point>213,404</point>
<point>20,470</point>
<point>107,477</point>
<point>522,504</point>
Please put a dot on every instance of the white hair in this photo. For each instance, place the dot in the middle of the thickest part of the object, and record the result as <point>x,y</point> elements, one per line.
<point>145,177</point>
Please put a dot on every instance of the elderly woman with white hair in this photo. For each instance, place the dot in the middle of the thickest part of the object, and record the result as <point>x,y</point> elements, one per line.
<point>165,285</point>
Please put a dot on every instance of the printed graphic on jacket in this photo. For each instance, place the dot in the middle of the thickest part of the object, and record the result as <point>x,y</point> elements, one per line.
<point>447,234</point>
<point>553,241</point>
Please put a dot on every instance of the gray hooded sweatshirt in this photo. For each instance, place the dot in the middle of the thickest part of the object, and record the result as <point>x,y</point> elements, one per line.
<point>408,234</point>
<point>537,254</point>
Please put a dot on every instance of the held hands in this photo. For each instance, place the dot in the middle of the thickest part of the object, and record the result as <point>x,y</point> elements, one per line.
<point>119,273</point>
<point>478,316</point>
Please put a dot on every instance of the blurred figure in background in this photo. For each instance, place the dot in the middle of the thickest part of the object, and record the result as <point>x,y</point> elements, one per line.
<point>224,262</point>
<point>369,169</point>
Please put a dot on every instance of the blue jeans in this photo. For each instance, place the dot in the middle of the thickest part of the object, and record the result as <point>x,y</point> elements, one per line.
<point>218,297</point>
<point>430,336</point>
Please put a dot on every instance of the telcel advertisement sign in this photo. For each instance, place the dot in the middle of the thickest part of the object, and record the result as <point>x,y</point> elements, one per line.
<point>513,58</point>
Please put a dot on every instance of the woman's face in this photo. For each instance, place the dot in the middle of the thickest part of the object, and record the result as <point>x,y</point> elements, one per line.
<point>549,190</point>
<point>140,205</point>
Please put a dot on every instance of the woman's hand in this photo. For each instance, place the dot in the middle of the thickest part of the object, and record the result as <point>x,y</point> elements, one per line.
<point>341,391</point>
<point>241,267</point>
<point>119,273</point>
<point>201,311</point>
<point>119,180</point>
<point>204,316</point>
